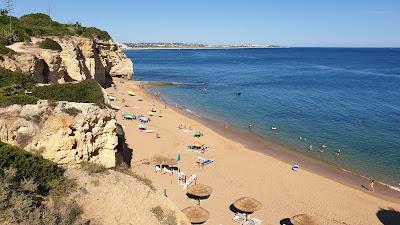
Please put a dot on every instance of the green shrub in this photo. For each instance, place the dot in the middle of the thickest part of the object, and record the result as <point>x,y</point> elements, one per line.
<point>4,50</point>
<point>91,32</point>
<point>50,44</point>
<point>14,84</point>
<point>6,101</point>
<point>20,204</point>
<point>36,19</point>
<point>8,78</point>
<point>21,35</point>
<point>29,166</point>
<point>87,91</point>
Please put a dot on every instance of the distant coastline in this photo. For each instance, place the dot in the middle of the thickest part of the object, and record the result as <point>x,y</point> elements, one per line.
<point>133,46</point>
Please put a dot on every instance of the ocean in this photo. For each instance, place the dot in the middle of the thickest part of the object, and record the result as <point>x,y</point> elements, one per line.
<point>344,98</point>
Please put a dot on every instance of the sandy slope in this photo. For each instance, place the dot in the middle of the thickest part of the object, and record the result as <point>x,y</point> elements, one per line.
<point>118,199</point>
<point>238,172</point>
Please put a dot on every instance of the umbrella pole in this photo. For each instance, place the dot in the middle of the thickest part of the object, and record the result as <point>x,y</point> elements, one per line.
<point>198,202</point>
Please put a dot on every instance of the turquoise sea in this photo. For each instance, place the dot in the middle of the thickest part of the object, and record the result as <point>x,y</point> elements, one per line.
<point>347,98</point>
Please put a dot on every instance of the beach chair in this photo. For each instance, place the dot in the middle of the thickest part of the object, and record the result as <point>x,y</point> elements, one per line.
<point>253,221</point>
<point>240,218</point>
<point>158,168</point>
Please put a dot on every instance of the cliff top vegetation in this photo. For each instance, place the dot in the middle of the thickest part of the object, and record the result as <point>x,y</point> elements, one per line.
<point>13,29</point>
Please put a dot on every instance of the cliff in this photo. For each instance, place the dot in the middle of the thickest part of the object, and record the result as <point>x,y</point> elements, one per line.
<point>64,132</point>
<point>81,58</point>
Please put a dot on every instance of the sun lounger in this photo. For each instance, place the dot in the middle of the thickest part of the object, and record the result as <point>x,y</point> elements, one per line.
<point>158,169</point>
<point>240,218</point>
<point>253,221</point>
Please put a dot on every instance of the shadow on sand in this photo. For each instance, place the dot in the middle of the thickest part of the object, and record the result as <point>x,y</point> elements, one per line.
<point>285,221</point>
<point>236,210</point>
<point>389,216</point>
<point>197,198</point>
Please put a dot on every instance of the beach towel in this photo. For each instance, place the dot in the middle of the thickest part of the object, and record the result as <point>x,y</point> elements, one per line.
<point>206,162</point>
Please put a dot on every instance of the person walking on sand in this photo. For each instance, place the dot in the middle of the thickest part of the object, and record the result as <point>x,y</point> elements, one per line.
<point>371,186</point>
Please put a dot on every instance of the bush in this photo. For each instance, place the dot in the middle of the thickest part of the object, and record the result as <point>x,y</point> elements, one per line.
<point>6,101</point>
<point>50,44</point>
<point>87,91</point>
<point>29,166</point>
<point>20,204</point>
<point>4,50</point>
<point>13,85</point>
<point>36,19</point>
<point>8,78</point>
<point>91,32</point>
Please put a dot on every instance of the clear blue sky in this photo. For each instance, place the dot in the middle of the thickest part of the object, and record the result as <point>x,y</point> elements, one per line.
<point>286,22</point>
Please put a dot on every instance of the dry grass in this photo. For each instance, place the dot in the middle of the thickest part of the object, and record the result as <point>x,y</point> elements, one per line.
<point>166,217</point>
<point>93,168</point>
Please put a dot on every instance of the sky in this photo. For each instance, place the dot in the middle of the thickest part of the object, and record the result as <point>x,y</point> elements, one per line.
<point>296,23</point>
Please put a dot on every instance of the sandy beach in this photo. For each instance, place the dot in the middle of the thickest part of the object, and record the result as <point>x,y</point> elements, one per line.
<point>238,170</point>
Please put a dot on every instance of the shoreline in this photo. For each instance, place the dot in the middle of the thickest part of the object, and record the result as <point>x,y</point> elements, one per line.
<point>287,155</point>
<point>238,170</point>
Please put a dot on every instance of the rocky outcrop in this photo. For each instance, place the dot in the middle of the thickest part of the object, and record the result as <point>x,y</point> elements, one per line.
<point>80,59</point>
<point>66,133</point>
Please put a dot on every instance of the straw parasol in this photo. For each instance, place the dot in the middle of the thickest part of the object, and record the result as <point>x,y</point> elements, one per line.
<point>197,144</point>
<point>248,205</point>
<point>199,191</point>
<point>196,214</point>
<point>304,219</point>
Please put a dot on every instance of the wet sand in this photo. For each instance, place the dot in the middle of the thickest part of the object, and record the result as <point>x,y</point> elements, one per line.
<point>246,165</point>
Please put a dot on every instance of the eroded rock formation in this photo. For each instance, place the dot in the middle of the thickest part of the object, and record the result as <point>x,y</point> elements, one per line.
<point>80,59</point>
<point>66,133</point>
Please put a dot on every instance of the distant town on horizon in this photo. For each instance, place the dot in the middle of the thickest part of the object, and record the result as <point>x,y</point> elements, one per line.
<point>194,45</point>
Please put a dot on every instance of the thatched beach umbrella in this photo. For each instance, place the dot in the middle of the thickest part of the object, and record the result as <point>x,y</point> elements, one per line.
<point>196,214</point>
<point>197,144</point>
<point>199,191</point>
<point>247,205</point>
<point>304,219</point>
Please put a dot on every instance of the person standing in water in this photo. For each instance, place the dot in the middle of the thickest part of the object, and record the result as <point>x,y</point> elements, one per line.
<point>322,149</point>
<point>338,152</point>
<point>371,186</point>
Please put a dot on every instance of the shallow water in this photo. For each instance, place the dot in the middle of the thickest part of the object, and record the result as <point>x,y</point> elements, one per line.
<point>341,97</point>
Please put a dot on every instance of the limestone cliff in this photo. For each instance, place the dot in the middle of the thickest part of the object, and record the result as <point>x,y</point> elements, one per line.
<point>66,133</point>
<point>81,58</point>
